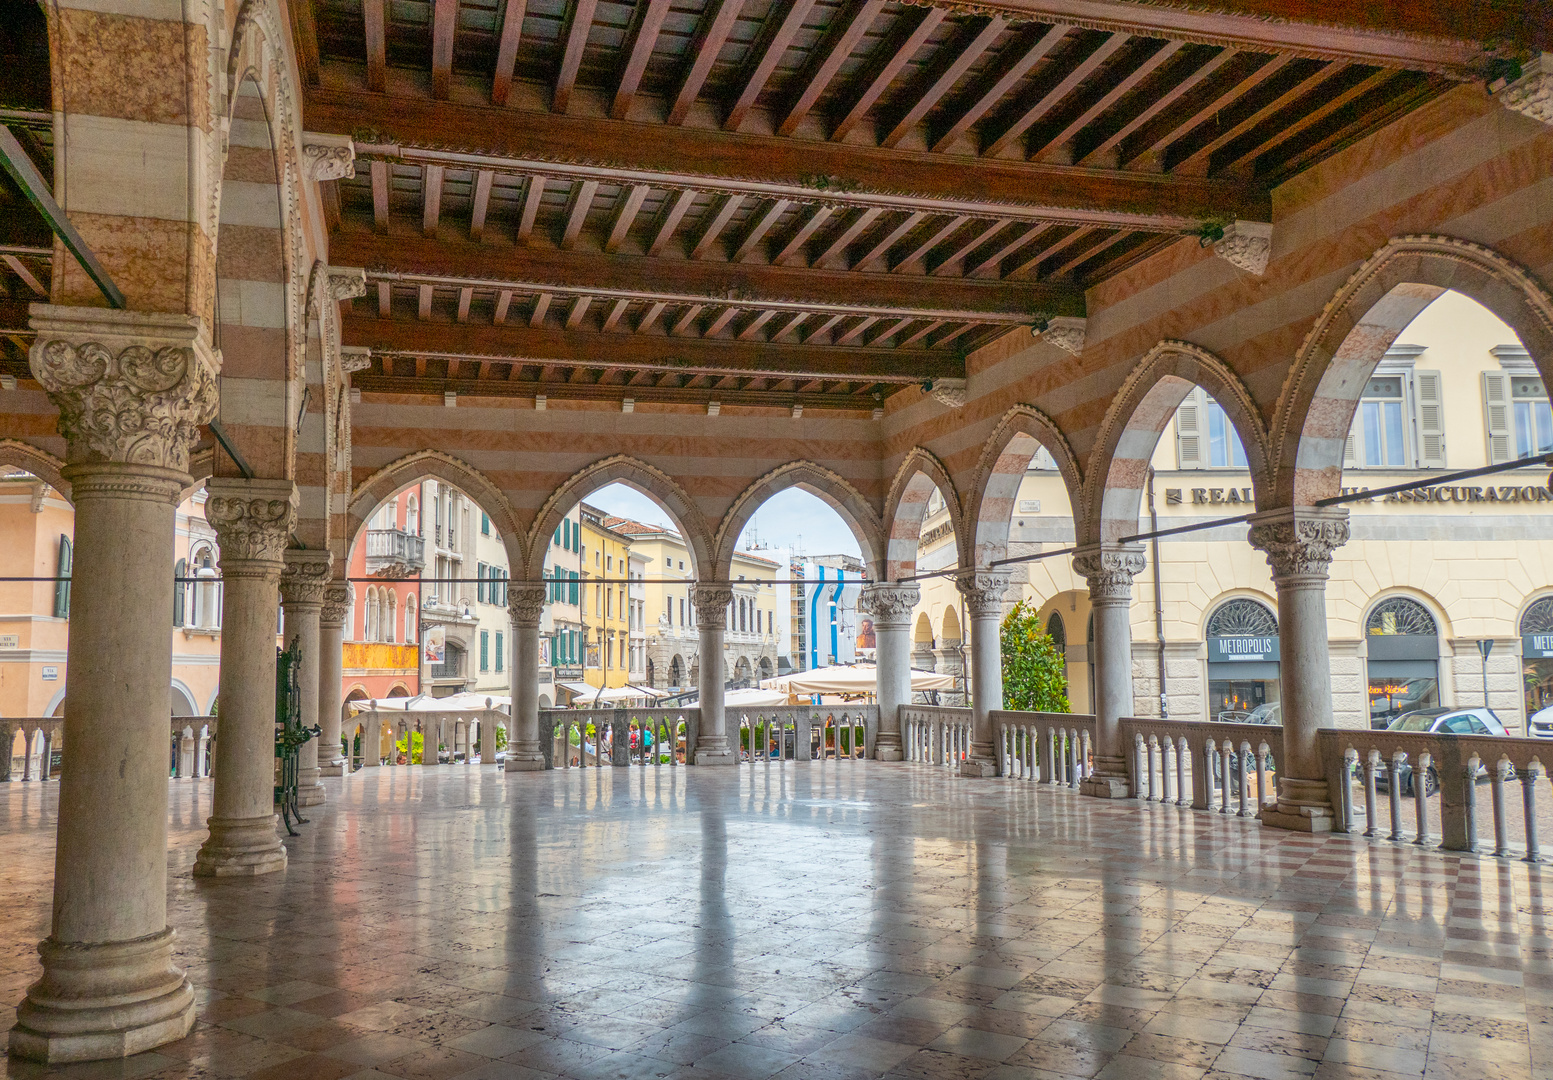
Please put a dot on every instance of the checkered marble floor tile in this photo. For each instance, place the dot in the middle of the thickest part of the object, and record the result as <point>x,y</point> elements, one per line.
<point>818,921</point>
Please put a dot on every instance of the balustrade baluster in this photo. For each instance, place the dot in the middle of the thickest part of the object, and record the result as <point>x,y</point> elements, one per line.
<point>1245,780</point>
<point>1501,824</point>
<point>1529,777</point>
<point>1371,812</point>
<point>1183,758</point>
<point>1470,803</point>
<point>1263,752</point>
<point>1140,767</point>
<point>1421,797</point>
<point>1209,759</point>
<point>1394,791</point>
<point>1226,752</point>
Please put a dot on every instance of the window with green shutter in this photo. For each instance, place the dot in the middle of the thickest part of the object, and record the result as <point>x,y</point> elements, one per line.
<point>500,652</point>
<point>62,586</point>
<point>485,650</point>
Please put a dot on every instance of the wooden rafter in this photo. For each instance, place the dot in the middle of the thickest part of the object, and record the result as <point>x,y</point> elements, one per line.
<point>956,60</point>
<point>842,36</point>
<point>646,24</point>
<point>781,26</point>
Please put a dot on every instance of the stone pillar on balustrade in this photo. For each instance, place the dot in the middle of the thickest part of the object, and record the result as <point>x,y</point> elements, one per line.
<point>132,390</point>
<point>1109,569</point>
<point>525,605</point>
<point>1299,543</point>
<point>253,520</point>
<point>333,760</point>
<point>302,583</point>
<point>890,605</point>
<point>983,592</point>
<point>711,600</point>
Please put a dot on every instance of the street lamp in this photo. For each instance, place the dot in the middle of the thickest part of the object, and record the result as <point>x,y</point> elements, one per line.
<point>1485,646</point>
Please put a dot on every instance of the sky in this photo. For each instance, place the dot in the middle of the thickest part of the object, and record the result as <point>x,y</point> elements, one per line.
<point>792,518</point>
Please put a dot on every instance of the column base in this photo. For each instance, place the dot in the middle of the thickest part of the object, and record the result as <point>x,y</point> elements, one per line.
<point>313,795</point>
<point>100,1001</point>
<point>1105,787</point>
<point>715,753</point>
<point>1303,806</point>
<point>978,768</point>
<point>241,847</point>
<point>525,763</point>
<point>332,768</point>
<point>887,747</point>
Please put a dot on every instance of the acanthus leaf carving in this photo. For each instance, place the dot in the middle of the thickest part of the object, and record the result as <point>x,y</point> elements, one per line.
<point>304,576</point>
<point>949,392</point>
<point>1067,333</point>
<point>1109,570</point>
<point>253,520</point>
<point>525,605</point>
<point>1299,544</point>
<point>1247,245</point>
<point>889,604</point>
<point>1532,94</point>
<point>711,600</point>
<point>337,603</point>
<point>328,157</point>
<point>983,591</point>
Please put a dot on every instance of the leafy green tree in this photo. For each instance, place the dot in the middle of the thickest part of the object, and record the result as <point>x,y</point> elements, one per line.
<point>1034,676</point>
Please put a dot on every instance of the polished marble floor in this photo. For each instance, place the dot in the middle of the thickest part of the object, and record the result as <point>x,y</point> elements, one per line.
<point>817,921</point>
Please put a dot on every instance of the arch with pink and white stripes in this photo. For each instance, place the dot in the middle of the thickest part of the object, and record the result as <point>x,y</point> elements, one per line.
<point>1005,457</point>
<point>919,475</point>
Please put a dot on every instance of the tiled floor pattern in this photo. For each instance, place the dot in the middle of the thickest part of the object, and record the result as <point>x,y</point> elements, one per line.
<point>820,921</point>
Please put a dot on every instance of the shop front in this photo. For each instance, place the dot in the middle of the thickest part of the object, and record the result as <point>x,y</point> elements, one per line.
<point>1242,659</point>
<point>1537,665</point>
<point>1403,662</point>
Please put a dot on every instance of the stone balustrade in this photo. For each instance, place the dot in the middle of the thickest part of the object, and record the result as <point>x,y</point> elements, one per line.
<point>593,738</point>
<point>936,734</point>
<point>41,734</point>
<point>1057,748</point>
<point>193,740</point>
<point>455,729</point>
<point>805,732</point>
<point>1183,762</point>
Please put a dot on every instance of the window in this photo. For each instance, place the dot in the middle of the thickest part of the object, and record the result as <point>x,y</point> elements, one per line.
<point>391,623</point>
<point>436,517</point>
<point>480,582</point>
<point>485,524</point>
<point>574,598</point>
<point>485,650</point>
<point>180,592</point>
<point>62,570</point>
<point>682,611</point>
<point>412,516</point>
<point>682,564</point>
<point>1382,437</point>
<point>1200,412</point>
<point>1527,425</point>
<point>1402,647</point>
<point>409,619</point>
<point>1399,423</point>
<point>500,651</point>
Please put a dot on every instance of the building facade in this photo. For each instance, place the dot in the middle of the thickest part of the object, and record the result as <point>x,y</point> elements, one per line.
<point>491,669</point>
<point>381,656</point>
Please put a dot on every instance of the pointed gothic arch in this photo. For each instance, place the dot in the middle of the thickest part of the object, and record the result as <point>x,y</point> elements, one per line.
<point>831,487</point>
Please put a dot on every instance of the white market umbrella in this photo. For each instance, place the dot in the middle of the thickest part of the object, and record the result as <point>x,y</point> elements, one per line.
<point>754,697</point>
<point>851,679</point>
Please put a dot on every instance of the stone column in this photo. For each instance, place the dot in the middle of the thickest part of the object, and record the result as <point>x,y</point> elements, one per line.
<point>891,607</point>
<point>983,591</point>
<point>131,389</point>
<point>1299,545</point>
<point>711,601</point>
<point>302,583</point>
<point>1109,569</point>
<point>253,521</point>
<point>525,604</point>
<point>332,761</point>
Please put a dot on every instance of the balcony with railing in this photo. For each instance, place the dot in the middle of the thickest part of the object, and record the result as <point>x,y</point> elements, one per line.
<point>394,552</point>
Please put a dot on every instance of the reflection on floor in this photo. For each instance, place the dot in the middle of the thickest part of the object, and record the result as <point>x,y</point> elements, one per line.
<point>820,920</point>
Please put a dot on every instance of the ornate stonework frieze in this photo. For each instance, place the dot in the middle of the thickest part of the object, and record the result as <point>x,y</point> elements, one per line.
<point>304,576</point>
<point>1246,244</point>
<point>983,591</point>
<point>1299,543</point>
<point>130,386</point>
<point>1067,333</point>
<point>347,282</point>
<point>328,157</point>
<point>949,392</point>
<point>1109,570</point>
<point>525,604</point>
<point>889,605</point>
<point>1532,94</point>
<point>337,605</point>
<point>711,601</point>
<point>355,358</point>
<point>252,518</point>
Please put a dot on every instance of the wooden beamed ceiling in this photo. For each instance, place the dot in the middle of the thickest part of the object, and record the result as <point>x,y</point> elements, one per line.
<point>827,190</point>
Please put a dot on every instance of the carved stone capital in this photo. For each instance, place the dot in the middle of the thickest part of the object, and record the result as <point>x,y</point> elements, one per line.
<point>1067,333</point>
<point>949,392</point>
<point>337,605</point>
<point>525,604</point>
<point>711,601</point>
<point>328,157</point>
<point>889,605</point>
<point>304,577</point>
<point>346,282</point>
<point>355,358</point>
<point>983,591</point>
<point>131,387</point>
<point>1109,569</point>
<point>1299,543</point>
<point>252,518</point>
<point>1532,94</point>
<point>1246,244</point>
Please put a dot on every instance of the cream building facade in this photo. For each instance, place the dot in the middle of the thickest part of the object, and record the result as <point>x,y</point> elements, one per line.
<point>1423,579</point>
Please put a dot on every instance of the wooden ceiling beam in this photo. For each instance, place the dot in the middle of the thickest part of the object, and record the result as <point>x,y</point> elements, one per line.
<point>577,213</point>
<point>1178,89</point>
<point>889,240</point>
<point>647,23</point>
<point>579,20</point>
<point>994,260</point>
<point>762,224</point>
<point>465,295</point>
<point>712,31</point>
<point>752,327</point>
<point>1119,89</point>
<point>782,25</point>
<point>380,196</point>
<point>669,217</point>
<point>800,236</point>
<point>977,238</point>
<point>717,220</point>
<point>1198,159</point>
<point>513,13</point>
<point>431,199</point>
<point>838,245</point>
<point>917,335</point>
<point>578,148</point>
<point>949,67</point>
<point>723,318</point>
<point>841,37</point>
<point>413,259</point>
<point>1052,98</point>
<point>1033,264</point>
<point>544,345</point>
<point>630,203</point>
<point>884,64</point>
<point>936,237</point>
<point>482,203</point>
<point>578,312</point>
<point>666,390</point>
<point>444,26</point>
<point>531,200</point>
<point>1004,77</point>
<point>1158,146</point>
<point>373,16</point>
<point>536,318</point>
<point>616,311</point>
<point>1311,117</point>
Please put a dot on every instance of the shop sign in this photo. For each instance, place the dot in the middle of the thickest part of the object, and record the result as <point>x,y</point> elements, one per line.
<point>1537,646</point>
<point>1229,650</point>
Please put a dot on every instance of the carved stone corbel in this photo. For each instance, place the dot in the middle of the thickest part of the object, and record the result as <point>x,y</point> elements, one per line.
<point>355,358</point>
<point>328,157</point>
<point>1247,245</point>
<point>1066,332</point>
<point>1532,94</point>
<point>949,392</point>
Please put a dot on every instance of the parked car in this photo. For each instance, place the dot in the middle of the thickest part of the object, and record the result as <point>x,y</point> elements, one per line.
<point>1270,713</point>
<point>1540,725</point>
<point>1476,720</point>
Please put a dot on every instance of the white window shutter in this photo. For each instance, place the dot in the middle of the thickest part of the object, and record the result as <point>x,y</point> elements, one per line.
<point>1496,413</point>
<point>1431,419</point>
<point>1189,432</point>
<point>1351,448</point>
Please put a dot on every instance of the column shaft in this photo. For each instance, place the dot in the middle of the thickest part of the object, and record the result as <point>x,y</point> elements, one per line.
<point>891,607</point>
<point>253,520</point>
<point>711,603</point>
<point>983,591</point>
<point>525,605</point>
<point>332,759</point>
<point>1110,570</point>
<point>302,597</point>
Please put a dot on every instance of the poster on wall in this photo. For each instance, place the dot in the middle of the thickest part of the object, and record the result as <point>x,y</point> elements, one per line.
<point>436,645</point>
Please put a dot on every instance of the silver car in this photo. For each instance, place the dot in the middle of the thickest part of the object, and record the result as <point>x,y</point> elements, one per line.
<point>1476,720</point>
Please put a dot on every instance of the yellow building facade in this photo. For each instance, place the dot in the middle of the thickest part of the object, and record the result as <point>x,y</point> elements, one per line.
<point>603,600</point>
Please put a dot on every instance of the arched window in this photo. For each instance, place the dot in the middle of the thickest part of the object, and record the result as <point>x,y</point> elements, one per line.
<point>409,618</point>
<point>369,629</point>
<point>1243,655</point>
<point>391,624</point>
<point>180,592</point>
<point>1403,647</point>
<point>412,515</point>
<point>1537,666</point>
<point>1058,633</point>
<point>1242,618</point>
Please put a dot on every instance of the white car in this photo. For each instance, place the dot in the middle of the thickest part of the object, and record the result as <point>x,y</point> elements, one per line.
<point>1540,726</point>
